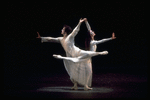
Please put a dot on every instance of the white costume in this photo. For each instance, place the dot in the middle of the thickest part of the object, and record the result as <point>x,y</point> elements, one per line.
<point>84,65</point>
<point>77,71</point>
<point>93,43</point>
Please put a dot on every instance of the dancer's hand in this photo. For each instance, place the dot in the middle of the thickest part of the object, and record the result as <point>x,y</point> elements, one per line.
<point>85,19</point>
<point>104,53</point>
<point>82,20</point>
<point>38,35</point>
<point>113,36</point>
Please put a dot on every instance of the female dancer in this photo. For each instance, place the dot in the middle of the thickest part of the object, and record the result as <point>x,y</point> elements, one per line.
<point>67,41</point>
<point>90,44</point>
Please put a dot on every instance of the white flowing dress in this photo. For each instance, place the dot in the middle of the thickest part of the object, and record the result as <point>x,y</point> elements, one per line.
<point>79,71</point>
<point>76,71</point>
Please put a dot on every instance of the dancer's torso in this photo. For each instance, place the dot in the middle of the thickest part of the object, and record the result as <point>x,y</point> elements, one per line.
<point>93,47</point>
<point>69,47</point>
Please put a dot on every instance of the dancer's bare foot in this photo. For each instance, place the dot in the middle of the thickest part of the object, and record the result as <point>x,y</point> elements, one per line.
<point>87,88</point>
<point>67,58</point>
<point>57,56</point>
<point>75,87</point>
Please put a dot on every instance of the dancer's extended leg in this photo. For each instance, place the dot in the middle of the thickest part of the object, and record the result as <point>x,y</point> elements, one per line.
<point>88,54</point>
<point>66,58</point>
<point>84,56</point>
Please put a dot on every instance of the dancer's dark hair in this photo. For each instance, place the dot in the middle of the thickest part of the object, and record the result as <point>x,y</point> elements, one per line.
<point>68,29</point>
<point>87,41</point>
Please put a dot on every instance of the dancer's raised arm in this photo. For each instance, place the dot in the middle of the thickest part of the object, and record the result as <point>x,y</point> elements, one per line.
<point>89,27</point>
<point>77,28</point>
<point>87,24</point>
<point>49,39</point>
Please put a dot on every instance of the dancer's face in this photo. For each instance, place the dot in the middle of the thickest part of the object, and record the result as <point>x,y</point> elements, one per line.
<point>93,34</point>
<point>63,31</point>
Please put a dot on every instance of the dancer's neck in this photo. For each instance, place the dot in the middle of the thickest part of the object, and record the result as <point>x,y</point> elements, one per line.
<point>65,35</point>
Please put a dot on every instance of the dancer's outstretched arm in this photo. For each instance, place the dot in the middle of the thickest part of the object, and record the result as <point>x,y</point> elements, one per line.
<point>49,39</point>
<point>88,54</point>
<point>104,40</point>
<point>95,42</point>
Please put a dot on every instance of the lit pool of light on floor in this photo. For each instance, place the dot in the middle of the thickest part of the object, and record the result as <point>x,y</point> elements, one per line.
<point>80,89</point>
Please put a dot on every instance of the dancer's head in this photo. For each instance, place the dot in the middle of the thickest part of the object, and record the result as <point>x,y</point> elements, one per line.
<point>92,34</point>
<point>66,30</point>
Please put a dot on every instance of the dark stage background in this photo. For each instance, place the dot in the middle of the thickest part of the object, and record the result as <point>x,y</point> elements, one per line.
<point>26,57</point>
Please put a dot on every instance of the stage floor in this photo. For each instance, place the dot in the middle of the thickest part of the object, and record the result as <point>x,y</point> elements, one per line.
<point>105,85</point>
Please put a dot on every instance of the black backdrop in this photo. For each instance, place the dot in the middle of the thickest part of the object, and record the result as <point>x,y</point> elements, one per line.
<point>26,56</point>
